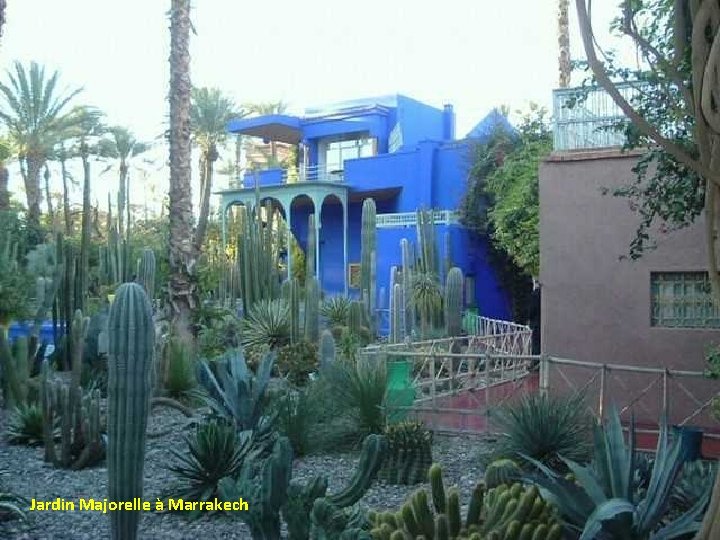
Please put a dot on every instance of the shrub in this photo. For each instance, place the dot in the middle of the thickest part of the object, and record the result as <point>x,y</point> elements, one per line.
<point>297,361</point>
<point>544,428</point>
<point>267,326</point>
<point>180,370</point>
<point>295,412</point>
<point>219,334</point>
<point>336,311</point>
<point>213,452</point>
<point>11,506</point>
<point>25,425</point>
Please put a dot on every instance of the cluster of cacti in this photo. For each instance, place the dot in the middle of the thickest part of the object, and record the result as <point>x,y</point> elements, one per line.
<point>502,471</point>
<point>78,416</point>
<point>15,369</point>
<point>263,481</point>
<point>409,453</point>
<point>453,302</point>
<point>131,335</point>
<point>326,349</point>
<point>311,514</point>
<point>256,258</point>
<point>503,513</point>
<point>368,261</point>
<point>426,242</point>
<point>146,272</point>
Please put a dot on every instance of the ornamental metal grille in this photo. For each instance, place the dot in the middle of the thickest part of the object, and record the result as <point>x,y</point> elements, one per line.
<point>682,300</point>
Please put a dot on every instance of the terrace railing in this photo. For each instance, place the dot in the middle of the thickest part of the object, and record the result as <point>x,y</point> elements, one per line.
<point>312,173</point>
<point>582,123</point>
<point>409,219</point>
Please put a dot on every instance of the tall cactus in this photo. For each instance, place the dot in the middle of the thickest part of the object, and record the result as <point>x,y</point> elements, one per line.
<point>448,263</point>
<point>131,335</point>
<point>146,272</point>
<point>426,242</point>
<point>396,314</point>
<point>291,294</point>
<point>312,307</point>
<point>326,350</point>
<point>368,242</point>
<point>310,270</point>
<point>408,267</point>
<point>454,302</point>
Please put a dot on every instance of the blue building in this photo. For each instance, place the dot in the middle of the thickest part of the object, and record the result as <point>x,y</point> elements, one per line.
<point>398,151</point>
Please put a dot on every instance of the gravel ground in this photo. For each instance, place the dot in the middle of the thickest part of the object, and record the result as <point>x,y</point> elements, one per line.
<point>23,472</point>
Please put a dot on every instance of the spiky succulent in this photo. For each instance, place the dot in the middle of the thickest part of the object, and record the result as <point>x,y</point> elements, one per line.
<point>336,310</point>
<point>266,327</point>
<point>25,425</point>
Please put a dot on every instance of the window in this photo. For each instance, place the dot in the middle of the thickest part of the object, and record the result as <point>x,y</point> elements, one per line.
<point>682,300</point>
<point>338,151</point>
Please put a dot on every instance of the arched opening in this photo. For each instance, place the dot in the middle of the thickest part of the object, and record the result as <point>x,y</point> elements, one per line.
<point>301,208</point>
<point>333,245</point>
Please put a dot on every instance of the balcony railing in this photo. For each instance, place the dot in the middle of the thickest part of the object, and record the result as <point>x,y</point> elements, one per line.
<point>291,175</point>
<point>584,123</point>
<point>409,219</point>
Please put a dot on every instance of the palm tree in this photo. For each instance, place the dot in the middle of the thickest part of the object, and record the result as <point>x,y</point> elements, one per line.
<point>3,5</point>
<point>209,115</point>
<point>87,131</point>
<point>266,108</point>
<point>122,146</point>
<point>565,65</point>
<point>34,113</point>
<point>5,154</point>
<point>183,255</point>
<point>61,154</point>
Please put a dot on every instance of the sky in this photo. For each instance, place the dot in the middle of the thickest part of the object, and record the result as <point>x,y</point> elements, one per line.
<point>473,54</point>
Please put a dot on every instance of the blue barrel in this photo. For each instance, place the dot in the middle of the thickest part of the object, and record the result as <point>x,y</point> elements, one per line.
<point>22,329</point>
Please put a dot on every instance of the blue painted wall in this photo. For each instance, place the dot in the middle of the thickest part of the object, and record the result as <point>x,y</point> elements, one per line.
<point>418,121</point>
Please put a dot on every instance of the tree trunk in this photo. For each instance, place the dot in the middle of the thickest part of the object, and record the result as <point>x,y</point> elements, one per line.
<point>66,199</point>
<point>182,290</point>
<point>85,233</point>
<point>206,181</point>
<point>122,197</point>
<point>51,213</point>
<point>4,192</point>
<point>564,64</point>
<point>33,193</point>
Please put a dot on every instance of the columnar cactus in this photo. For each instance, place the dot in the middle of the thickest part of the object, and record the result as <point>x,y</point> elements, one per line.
<point>396,314</point>
<point>146,272</point>
<point>312,310</point>
<point>310,270</point>
<point>131,342</point>
<point>291,294</point>
<point>326,350</point>
<point>426,242</point>
<point>356,318</point>
<point>408,264</point>
<point>368,255</point>
<point>454,302</point>
<point>409,453</point>
<point>448,263</point>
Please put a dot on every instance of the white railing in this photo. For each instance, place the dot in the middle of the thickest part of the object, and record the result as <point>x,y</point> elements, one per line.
<point>583,117</point>
<point>409,219</point>
<point>312,173</point>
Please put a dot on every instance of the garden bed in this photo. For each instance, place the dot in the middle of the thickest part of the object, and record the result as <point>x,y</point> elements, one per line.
<point>23,472</point>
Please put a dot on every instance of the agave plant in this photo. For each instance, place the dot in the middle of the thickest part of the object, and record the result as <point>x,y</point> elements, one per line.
<point>11,506</point>
<point>233,391</point>
<point>267,326</point>
<point>544,427</point>
<point>602,502</point>
<point>336,310</point>
<point>214,451</point>
<point>695,480</point>
<point>25,425</point>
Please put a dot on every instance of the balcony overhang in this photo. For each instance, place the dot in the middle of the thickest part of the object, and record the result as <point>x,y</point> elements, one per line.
<point>271,127</point>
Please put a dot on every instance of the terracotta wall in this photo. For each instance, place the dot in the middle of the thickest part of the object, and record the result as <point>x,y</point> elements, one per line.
<point>596,307</point>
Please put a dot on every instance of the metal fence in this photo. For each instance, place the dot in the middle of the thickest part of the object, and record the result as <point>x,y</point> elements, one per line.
<point>582,117</point>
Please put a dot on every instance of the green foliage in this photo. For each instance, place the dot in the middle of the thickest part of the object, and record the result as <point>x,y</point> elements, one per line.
<point>336,311</point>
<point>218,334</point>
<point>361,389</point>
<point>299,505</point>
<point>297,361</point>
<point>602,499</point>
<point>232,391</point>
<point>544,428</point>
<point>11,506</point>
<point>295,413</point>
<point>180,370</point>
<point>213,452</point>
<point>694,482</point>
<point>266,327</point>
<point>25,425</point>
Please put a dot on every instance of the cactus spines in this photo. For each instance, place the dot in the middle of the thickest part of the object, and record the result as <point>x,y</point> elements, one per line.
<point>131,341</point>
<point>146,272</point>
<point>326,350</point>
<point>437,488</point>
<point>501,471</point>
<point>312,306</point>
<point>454,301</point>
<point>453,512</point>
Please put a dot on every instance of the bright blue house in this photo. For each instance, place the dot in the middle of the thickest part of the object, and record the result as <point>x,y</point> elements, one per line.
<point>398,151</point>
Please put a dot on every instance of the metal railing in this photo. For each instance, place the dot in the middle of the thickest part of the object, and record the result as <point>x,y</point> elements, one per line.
<point>409,219</point>
<point>583,118</point>
<point>312,173</point>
